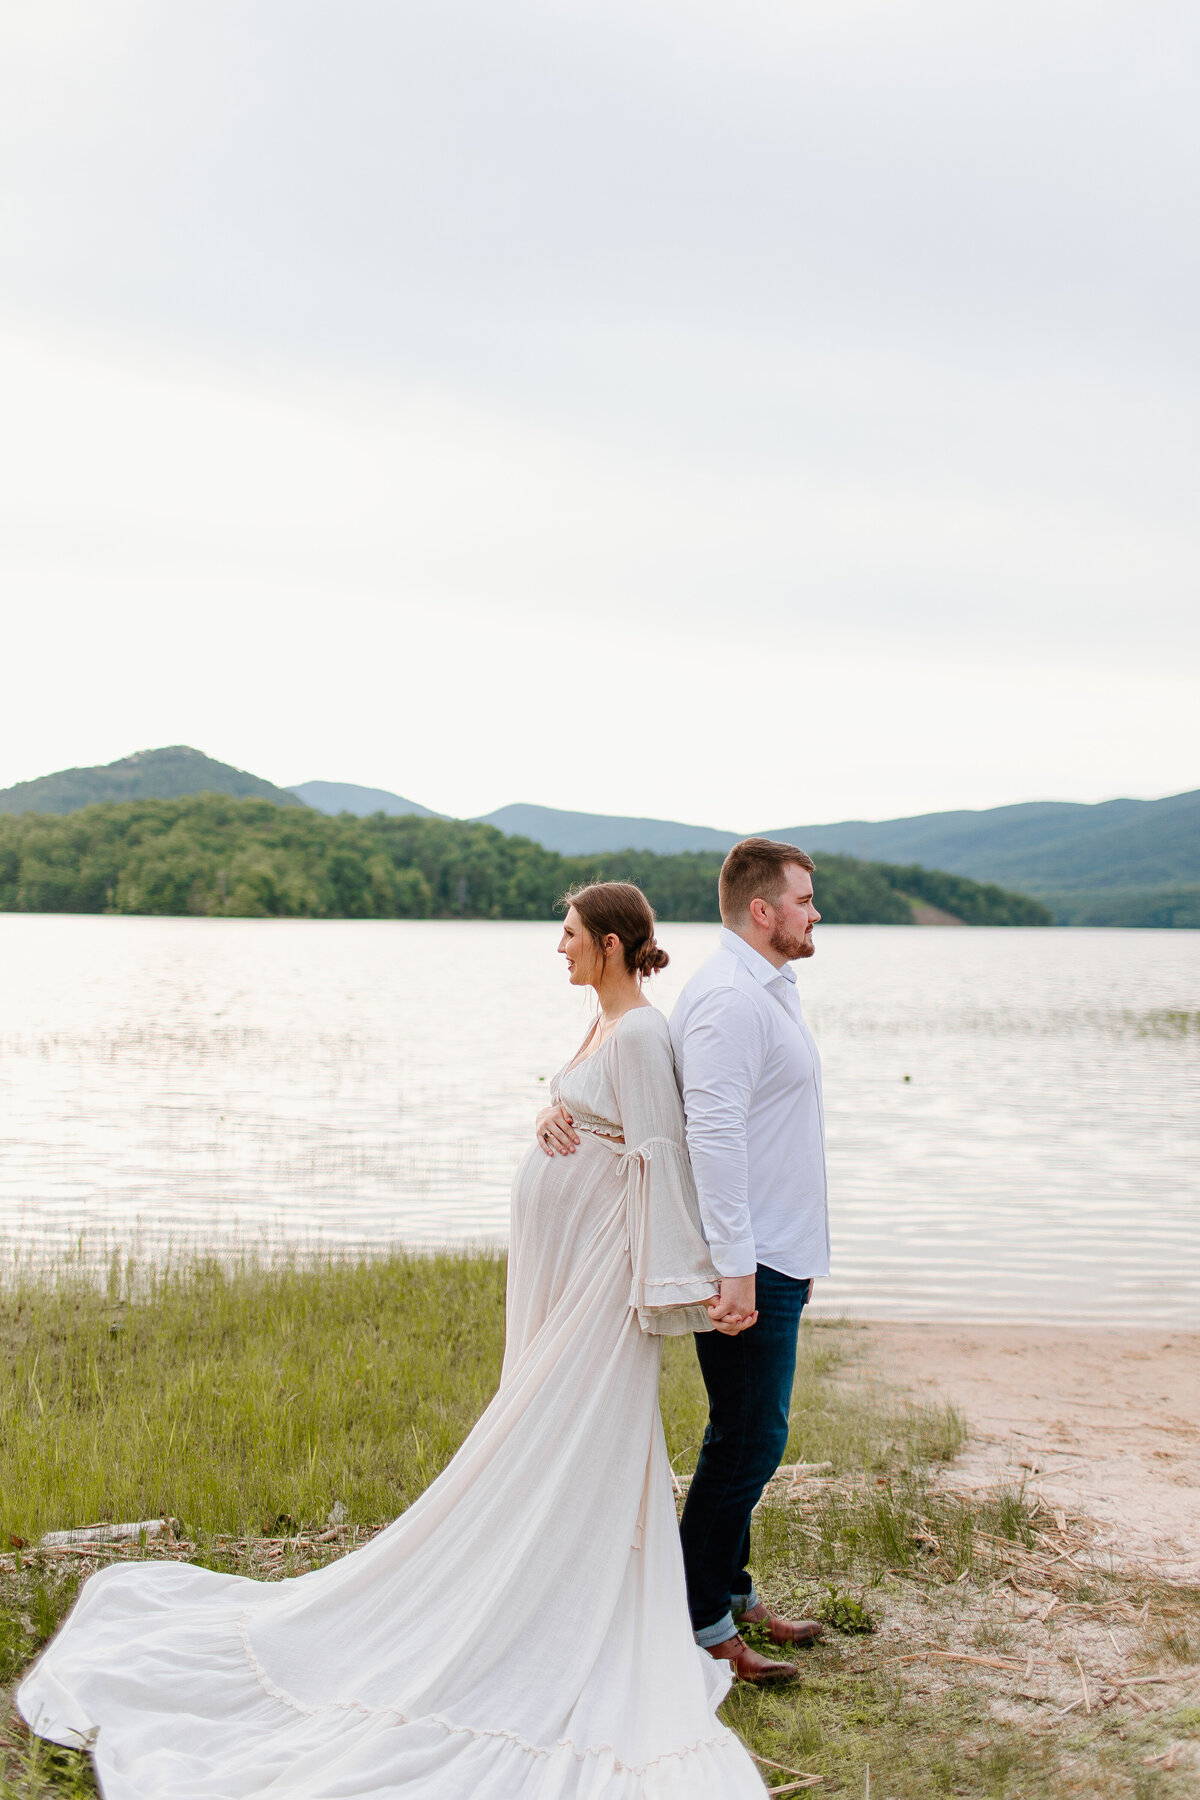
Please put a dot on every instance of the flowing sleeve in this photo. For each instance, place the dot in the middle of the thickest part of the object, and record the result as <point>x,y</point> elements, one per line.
<point>673,1273</point>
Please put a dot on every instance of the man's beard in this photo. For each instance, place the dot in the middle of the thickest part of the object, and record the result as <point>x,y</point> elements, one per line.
<point>793,948</point>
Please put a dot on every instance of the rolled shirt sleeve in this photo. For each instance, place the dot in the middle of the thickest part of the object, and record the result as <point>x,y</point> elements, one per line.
<point>721,1058</point>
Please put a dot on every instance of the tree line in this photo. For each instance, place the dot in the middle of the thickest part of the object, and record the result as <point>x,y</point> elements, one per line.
<point>211,856</point>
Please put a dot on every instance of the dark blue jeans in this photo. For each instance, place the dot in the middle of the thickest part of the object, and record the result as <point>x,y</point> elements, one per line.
<point>749,1381</point>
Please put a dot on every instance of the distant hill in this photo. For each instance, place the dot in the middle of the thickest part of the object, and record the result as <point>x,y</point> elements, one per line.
<point>168,774</point>
<point>346,796</point>
<point>1134,862</point>
<point>1120,862</point>
<point>1161,909</point>
<point>1043,847</point>
<point>589,834</point>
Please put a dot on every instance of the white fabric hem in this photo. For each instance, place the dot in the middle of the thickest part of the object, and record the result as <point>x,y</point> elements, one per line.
<point>273,1689</point>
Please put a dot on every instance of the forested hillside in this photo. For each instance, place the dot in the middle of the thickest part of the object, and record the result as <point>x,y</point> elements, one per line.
<point>166,774</point>
<point>1044,846</point>
<point>213,856</point>
<point>1119,862</point>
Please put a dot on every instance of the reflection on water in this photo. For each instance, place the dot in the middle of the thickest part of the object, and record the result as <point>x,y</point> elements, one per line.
<point>1012,1115</point>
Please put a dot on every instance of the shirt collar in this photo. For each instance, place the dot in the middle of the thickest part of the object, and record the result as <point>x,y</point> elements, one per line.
<point>763,971</point>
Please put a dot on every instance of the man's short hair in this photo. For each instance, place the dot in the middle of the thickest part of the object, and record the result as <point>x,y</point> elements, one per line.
<point>755,870</point>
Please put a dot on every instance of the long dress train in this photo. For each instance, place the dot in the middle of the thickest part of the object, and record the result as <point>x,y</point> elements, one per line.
<point>521,1632</point>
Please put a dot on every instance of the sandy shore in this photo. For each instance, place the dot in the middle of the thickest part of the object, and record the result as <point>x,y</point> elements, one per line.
<point>1105,1423</point>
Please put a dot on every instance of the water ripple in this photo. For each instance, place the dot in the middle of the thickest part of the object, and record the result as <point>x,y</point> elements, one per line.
<point>1012,1116</point>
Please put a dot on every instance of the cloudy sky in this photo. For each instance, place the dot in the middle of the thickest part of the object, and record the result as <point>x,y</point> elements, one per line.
<point>731,412</point>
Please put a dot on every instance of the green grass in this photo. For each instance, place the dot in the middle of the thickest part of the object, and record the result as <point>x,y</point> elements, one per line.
<point>236,1398</point>
<point>901,1525</point>
<point>864,1427</point>
<point>229,1398</point>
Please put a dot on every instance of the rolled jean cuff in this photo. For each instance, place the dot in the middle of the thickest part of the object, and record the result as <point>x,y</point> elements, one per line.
<point>720,1633</point>
<point>743,1603</point>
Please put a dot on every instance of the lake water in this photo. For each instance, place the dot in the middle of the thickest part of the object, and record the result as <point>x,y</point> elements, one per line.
<point>1012,1116</point>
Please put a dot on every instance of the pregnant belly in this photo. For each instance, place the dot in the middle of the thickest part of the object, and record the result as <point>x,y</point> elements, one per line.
<point>568,1253</point>
<point>568,1198</point>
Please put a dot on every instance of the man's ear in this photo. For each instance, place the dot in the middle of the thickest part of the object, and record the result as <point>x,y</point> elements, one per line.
<point>760,913</point>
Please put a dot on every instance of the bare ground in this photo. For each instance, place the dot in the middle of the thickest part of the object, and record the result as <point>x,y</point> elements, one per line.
<point>1100,1423</point>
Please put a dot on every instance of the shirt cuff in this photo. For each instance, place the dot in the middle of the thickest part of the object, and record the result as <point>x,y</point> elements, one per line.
<point>737,1258</point>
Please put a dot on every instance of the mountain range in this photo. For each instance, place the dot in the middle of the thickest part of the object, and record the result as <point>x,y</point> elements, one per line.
<point>1116,862</point>
<point>1041,847</point>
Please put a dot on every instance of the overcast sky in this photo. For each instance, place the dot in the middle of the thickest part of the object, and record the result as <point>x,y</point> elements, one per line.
<point>733,412</point>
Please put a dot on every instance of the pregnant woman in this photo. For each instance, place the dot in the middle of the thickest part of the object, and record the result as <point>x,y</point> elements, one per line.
<point>521,1632</point>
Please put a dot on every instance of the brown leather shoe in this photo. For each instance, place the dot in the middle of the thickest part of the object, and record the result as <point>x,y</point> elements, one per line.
<point>748,1665</point>
<point>783,1631</point>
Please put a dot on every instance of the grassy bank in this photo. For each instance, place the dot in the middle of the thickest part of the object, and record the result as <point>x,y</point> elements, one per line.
<point>229,1398</point>
<point>281,1415</point>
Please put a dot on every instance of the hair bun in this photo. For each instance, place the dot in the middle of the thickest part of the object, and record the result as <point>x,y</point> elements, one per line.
<point>618,909</point>
<point>650,957</point>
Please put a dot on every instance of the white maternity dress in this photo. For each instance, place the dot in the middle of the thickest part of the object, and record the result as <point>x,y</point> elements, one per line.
<point>521,1632</point>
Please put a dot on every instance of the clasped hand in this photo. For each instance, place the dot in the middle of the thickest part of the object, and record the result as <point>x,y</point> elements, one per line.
<point>733,1309</point>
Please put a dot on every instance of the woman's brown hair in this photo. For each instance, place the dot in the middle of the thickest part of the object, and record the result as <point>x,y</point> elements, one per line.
<point>619,909</point>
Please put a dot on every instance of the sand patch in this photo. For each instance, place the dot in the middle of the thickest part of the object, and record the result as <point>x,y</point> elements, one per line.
<point>1100,1423</point>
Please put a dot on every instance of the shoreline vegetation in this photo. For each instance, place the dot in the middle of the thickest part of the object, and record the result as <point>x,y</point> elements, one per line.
<point>278,1414</point>
<point>211,856</point>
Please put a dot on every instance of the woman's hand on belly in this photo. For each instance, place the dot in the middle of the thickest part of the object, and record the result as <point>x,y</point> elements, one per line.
<point>555,1130</point>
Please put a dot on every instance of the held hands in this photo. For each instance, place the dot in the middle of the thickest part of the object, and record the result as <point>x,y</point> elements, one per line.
<point>733,1309</point>
<point>555,1130</point>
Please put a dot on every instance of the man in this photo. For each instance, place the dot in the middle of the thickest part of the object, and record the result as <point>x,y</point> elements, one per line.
<point>751,1081</point>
